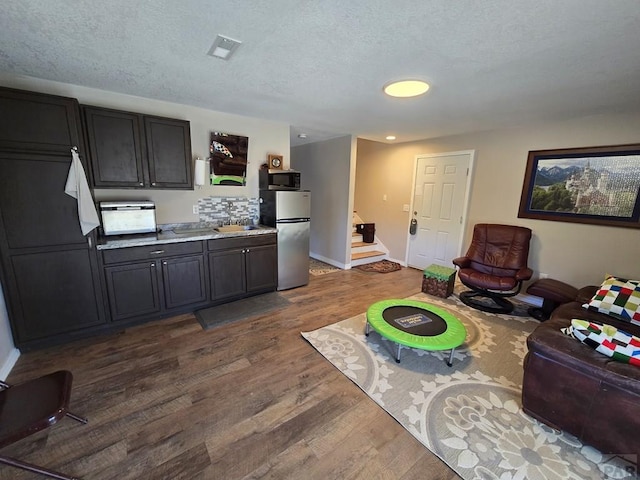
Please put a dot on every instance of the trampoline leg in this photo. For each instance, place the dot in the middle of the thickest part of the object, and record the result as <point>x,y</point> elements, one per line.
<point>367,328</point>
<point>398,353</point>
<point>450,361</point>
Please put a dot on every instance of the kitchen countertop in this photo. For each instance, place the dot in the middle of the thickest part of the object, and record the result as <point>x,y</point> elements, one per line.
<point>167,235</point>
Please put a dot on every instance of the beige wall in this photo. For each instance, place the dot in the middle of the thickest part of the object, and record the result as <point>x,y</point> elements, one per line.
<point>328,170</point>
<point>175,206</point>
<point>575,253</point>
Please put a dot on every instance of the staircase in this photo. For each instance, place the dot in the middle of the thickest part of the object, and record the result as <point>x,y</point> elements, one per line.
<point>362,253</point>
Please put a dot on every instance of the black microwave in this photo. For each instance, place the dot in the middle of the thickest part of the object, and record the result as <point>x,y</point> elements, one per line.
<point>279,180</point>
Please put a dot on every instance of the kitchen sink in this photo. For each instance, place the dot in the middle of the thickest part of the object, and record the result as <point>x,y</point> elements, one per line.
<point>205,230</point>
<point>235,228</point>
<point>180,231</point>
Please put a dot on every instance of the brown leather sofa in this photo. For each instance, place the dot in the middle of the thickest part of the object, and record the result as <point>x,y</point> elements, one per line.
<point>573,388</point>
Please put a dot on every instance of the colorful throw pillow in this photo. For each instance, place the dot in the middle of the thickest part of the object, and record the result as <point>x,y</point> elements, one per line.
<point>618,297</point>
<point>606,339</point>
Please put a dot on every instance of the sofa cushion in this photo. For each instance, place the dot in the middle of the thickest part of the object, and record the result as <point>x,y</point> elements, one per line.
<point>618,297</point>
<point>606,339</point>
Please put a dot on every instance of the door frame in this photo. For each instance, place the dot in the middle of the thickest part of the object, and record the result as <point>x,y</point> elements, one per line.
<point>467,194</point>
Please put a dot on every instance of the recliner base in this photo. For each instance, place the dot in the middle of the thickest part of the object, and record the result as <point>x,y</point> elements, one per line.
<point>502,305</point>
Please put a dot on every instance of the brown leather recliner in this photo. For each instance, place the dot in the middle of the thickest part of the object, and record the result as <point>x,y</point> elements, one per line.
<point>495,266</point>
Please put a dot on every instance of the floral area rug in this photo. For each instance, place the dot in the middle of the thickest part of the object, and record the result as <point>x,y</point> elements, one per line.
<point>469,415</point>
<point>316,267</point>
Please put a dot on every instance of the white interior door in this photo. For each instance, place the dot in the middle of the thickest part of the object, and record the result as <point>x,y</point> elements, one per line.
<point>439,203</point>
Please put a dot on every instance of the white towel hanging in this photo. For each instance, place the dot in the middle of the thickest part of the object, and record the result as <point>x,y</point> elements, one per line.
<point>78,188</point>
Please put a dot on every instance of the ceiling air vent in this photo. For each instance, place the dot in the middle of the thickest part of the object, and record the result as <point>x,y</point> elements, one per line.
<point>223,47</point>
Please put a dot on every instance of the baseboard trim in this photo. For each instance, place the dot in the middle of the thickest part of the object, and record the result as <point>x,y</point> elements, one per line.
<point>9,363</point>
<point>401,262</point>
<point>329,261</point>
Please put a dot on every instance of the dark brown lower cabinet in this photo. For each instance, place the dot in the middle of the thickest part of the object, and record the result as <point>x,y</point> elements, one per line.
<point>261,268</point>
<point>133,290</point>
<point>54,293</point>
<point>242,266</point>
<point>184,281</point>
<point>166,280</point>
<point>153,281</point>
<point>226,269</point>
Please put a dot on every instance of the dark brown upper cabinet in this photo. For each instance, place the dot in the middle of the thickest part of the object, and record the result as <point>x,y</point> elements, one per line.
<point>131,150</point>
<point>37,122</point>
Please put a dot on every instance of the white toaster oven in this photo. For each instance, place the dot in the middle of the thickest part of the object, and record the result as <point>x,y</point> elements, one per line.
<point>119,218</point>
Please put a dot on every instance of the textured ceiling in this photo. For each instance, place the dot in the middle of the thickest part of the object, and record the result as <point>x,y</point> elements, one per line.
<point>320,65</point>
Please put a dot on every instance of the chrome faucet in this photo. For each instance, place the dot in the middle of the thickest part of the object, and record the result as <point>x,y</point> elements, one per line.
<point>227,207</point>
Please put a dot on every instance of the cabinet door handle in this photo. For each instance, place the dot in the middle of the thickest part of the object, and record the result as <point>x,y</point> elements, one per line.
<point>153,183</point>
<point>247,250</point>
<point>156,252</point>
<point>141,184</point>
<point>90,242</point>
<point>153,265</point>
<point>164,263</point>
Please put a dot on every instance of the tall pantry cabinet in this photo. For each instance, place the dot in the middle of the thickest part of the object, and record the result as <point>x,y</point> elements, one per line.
<point>48,268</point>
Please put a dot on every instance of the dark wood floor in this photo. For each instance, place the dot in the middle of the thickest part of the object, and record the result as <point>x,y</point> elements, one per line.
<point>253,399</point>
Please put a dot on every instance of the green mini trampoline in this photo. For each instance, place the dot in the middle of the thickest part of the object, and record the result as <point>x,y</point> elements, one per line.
<point>416,324</point>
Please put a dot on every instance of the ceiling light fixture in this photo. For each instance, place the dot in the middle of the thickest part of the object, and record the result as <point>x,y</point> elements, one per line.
<point>390,137</point>
<point>223,47</point>
<point>406,88</point>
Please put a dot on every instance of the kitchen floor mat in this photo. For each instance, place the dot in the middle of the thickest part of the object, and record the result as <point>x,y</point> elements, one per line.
<point>240,310</point>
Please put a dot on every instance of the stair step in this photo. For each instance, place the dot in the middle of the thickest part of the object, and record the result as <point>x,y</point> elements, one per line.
<point>361,244</point>
<point>359,255</point>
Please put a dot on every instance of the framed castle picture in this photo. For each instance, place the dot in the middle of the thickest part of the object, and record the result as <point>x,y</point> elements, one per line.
<point>594,185</point>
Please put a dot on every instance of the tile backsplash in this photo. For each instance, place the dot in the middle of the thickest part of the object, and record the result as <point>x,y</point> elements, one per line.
<point>229,210</point>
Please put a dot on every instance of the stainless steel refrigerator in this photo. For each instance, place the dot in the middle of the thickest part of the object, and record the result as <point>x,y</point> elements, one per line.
<point>289,212</point>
